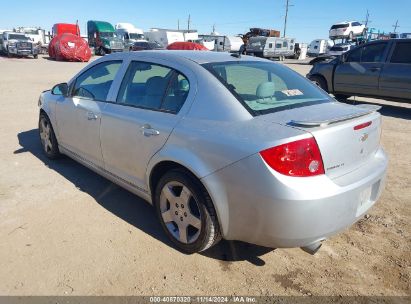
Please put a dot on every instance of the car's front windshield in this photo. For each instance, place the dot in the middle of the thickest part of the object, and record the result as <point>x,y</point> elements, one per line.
<point>265,87</point>
<point>136,36</point>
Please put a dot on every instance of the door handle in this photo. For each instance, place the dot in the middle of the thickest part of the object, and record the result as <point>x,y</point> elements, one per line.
<point>375,69</point>
<point>148,131</point>
<point>91,116</point>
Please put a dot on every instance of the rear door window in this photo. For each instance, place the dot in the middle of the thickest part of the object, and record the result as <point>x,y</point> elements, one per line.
<point>154,87</point>
<point>402,53</point>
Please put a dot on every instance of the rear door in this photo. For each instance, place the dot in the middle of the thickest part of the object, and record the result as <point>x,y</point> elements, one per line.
<point>396,76</point>
<point>141,117</point>
<point>360,72</point>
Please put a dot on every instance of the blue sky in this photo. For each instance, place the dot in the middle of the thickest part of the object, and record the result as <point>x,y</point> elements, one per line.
<point>307,20</point>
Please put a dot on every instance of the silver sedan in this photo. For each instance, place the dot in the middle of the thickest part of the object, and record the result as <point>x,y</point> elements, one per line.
<point>224,146</point>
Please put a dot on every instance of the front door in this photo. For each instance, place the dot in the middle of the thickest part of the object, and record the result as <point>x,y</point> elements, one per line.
<point>79,114</point>
<point>360,72</point>
<point>139,123</point>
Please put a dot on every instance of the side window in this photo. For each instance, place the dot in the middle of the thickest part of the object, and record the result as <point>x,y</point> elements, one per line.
<point>285,44</point>
<point>278,45</point>
<point>373,52</point>
<point>402,53</point>
<point>354,56</point>
<point>95,83</point>
<point>154,87</point>
<point>177,93</point>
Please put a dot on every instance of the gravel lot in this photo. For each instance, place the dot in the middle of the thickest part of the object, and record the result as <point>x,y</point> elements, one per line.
<point>64,230</point>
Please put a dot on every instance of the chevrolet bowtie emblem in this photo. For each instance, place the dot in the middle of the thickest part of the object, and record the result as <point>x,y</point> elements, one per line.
<point>364,137</point>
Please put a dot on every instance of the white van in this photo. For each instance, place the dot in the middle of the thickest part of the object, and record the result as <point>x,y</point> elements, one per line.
<point>129,34</point>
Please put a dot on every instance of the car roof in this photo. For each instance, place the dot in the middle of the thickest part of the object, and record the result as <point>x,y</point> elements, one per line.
<point>199,57</point>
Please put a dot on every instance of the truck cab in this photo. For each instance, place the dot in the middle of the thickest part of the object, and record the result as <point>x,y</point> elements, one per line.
<point>129,34</point>
<point>17,44</point>
<point>103,38</point>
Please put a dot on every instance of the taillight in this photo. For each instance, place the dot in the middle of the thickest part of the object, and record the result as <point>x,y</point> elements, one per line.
<point>301,158</point>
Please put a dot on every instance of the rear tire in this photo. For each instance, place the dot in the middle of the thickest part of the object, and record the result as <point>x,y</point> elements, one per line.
<point>102,52</point>
<point>186,212</point>
<point>320,81</point>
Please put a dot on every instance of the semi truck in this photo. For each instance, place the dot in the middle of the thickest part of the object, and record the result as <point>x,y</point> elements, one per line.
<point>129,34</point>
<point>103,38</point>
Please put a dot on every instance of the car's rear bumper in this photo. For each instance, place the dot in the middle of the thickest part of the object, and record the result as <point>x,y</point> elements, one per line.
<point>266,208</point>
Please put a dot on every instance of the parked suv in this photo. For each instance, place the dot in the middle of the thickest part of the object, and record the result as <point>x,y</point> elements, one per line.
<point>347,29</point>
<point>380,69</point>
<point>18,44</point>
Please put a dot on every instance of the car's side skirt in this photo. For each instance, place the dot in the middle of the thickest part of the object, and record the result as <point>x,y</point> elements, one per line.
<point>143,193</point>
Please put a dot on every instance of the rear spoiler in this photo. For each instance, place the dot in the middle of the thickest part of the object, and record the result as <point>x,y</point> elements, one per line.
<point>368,109</point>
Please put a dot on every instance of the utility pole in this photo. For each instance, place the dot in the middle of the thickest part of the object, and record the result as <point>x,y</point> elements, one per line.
<point>395,26</point>
<point>214,28</point>
<point>286,16</point>
<point>367,19</point>
<point>178,24</point>
<point>189,21</point>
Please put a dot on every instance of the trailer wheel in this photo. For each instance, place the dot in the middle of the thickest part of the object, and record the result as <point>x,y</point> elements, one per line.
<point>36,56</point>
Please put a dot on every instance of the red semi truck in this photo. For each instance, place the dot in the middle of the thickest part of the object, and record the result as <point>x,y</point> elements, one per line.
<point>65,28</point>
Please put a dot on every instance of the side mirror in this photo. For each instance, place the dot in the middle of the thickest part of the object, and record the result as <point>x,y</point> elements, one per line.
<point>60,89</point>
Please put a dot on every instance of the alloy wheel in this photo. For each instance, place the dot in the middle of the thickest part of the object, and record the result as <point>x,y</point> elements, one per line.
<point>180,212</point>
<point>45,135</point>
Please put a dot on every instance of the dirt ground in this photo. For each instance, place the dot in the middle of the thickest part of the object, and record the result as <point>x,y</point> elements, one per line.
<point>64,230</point>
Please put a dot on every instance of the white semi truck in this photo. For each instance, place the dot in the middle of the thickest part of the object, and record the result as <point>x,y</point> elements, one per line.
<point>129,34</point>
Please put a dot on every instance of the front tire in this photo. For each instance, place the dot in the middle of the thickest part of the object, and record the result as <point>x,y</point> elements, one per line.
<point>48,138</point>
<point>186,212</point>
<point>319,81</point>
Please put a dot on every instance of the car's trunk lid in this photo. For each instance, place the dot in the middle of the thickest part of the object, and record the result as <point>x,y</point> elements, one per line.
<point>348,136</point>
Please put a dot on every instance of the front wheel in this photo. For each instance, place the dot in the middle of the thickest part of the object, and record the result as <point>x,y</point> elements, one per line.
<point>320,81</point>
<point>48,138</point>
<point>186,212</point>
<point>102,52</point>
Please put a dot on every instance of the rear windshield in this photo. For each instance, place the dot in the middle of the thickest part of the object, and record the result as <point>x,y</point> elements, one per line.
<point>265,87</point>
<point>338,26</point>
